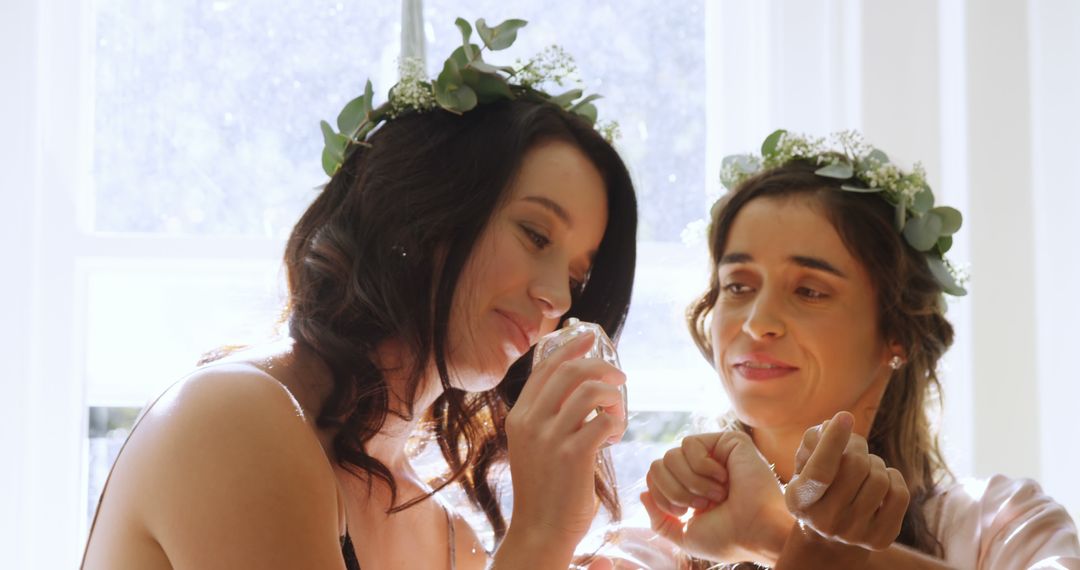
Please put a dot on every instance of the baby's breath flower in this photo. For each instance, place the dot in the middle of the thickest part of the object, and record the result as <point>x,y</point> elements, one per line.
<point>610,131</point>
<point>694,233</point>
<point>412,92</point>
<point>553,64</point>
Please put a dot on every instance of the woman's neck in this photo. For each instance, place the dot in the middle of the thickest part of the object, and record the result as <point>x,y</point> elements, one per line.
<point>403,417</point>
<point>778,446</point>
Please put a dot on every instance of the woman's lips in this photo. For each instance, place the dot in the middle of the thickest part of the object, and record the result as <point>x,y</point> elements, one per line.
<point>758,367</point>
<point>515,335</point>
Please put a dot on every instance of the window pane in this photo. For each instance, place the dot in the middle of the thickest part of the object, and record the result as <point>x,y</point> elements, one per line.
<point>148,323</point>
<point>109,428</point>
<point>207,112</point>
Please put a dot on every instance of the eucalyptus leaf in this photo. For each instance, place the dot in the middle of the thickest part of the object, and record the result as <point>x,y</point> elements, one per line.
<point>944,244</point>
<point>769,145</point>
<point>859,189</point>
<point>457,98</point>
<point>335,143</point>
<point>369,95</point>
<point>587,111</point>
<point>944,277</point>
<point>899,216</point>
<point>450,75</point>
<point>951,219</point>
<point>500,37</point>
<point>352,115</point>
<point>924,200</point>
<point>466,34</point>
<point>463,59</point>
<point>566,98</point>
<point>839,170</point>
<point>330,164</point>
<point>584,102</point>
<point>483,67</point>
<point>922,232</point>
<point>878,156</point>
<point>488,87</point>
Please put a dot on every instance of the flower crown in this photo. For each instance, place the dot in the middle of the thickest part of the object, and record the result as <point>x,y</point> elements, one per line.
<point>865,170</point>
<point>466,81</point>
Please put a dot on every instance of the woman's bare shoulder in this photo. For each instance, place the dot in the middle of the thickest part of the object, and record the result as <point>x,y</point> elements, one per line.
<point>225,463</point>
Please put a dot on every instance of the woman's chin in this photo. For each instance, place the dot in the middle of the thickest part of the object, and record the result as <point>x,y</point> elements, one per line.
<point>760,415</point>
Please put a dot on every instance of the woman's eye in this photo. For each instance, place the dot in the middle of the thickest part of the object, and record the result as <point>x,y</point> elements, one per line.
<point>539,240</point>
<point>736,289</point>
<point>812,294</point>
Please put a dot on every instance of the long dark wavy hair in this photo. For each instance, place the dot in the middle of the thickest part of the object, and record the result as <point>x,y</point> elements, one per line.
<point>911,313</point>
<point>379,255</point>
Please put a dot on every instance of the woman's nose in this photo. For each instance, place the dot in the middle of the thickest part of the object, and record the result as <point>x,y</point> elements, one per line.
<point>764,320</point>
<point>552,292</point>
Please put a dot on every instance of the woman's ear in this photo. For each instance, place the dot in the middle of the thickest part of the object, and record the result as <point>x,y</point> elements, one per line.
<point>895,355</point>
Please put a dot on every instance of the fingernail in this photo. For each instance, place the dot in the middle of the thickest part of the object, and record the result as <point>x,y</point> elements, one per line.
<point>845,420</point>
<point>717,496</point>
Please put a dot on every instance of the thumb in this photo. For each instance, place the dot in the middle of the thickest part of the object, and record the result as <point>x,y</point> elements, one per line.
<point>821,468</point>
<point>664,524</point>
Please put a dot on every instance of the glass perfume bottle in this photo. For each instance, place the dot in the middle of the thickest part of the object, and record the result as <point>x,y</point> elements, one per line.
<point>602,348</point>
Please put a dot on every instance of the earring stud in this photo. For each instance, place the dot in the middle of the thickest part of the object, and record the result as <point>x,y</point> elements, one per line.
<point>896,362</point>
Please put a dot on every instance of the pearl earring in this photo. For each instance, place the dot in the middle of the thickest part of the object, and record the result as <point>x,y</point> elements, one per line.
<point>896,362</point>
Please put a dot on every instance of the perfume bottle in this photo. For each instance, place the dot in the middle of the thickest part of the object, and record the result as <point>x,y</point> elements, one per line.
<point>602,348</point>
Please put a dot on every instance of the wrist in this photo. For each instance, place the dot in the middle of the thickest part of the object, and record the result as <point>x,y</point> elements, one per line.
<point>805,548</point>
<point>777,531</point>
<point>533,548</point>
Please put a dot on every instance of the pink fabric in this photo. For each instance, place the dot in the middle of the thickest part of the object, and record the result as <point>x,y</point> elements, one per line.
<point>1003,524</point>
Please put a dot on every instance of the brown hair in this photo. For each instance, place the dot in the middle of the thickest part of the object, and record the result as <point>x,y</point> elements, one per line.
<point>911,313</point>
<point>379,255</point>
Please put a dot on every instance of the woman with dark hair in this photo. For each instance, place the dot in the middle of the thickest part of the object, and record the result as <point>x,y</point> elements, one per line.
<point>826,295</point>
<point>453,233</point>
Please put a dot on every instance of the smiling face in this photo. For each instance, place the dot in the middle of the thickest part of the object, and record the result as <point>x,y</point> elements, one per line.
<point>795,334</point>
<point>521,276</point>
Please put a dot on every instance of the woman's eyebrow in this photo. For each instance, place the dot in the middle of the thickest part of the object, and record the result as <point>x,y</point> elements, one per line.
<point>800,260</point>
<point>816,263</point>
<point>553,207</point>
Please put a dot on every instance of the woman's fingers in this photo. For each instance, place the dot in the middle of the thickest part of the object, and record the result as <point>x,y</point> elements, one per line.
<point>604,428</point>
<point>868,500</point>
<point>584,399</point>
<point>698,455</point>
<point>806,448</point>
<point>702,489</point>
<point>886,524</point>
<point>664,524</point>
<point>567,378</point>
<point>809,485</point>
<point>574,349</point>
<point>670,496</point>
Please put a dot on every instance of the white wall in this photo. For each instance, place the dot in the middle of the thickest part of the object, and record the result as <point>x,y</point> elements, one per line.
<point>1055,91</point>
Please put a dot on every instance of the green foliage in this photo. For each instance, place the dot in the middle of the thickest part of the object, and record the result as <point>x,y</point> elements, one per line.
<point>500,37</point>
<point>864,170</point>
<point>839,170</point>
<point>466,80</point>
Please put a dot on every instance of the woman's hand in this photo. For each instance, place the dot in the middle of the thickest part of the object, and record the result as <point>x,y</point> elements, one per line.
<point>842,491</point>
<point>553,449</point>
<point>739,513</point>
